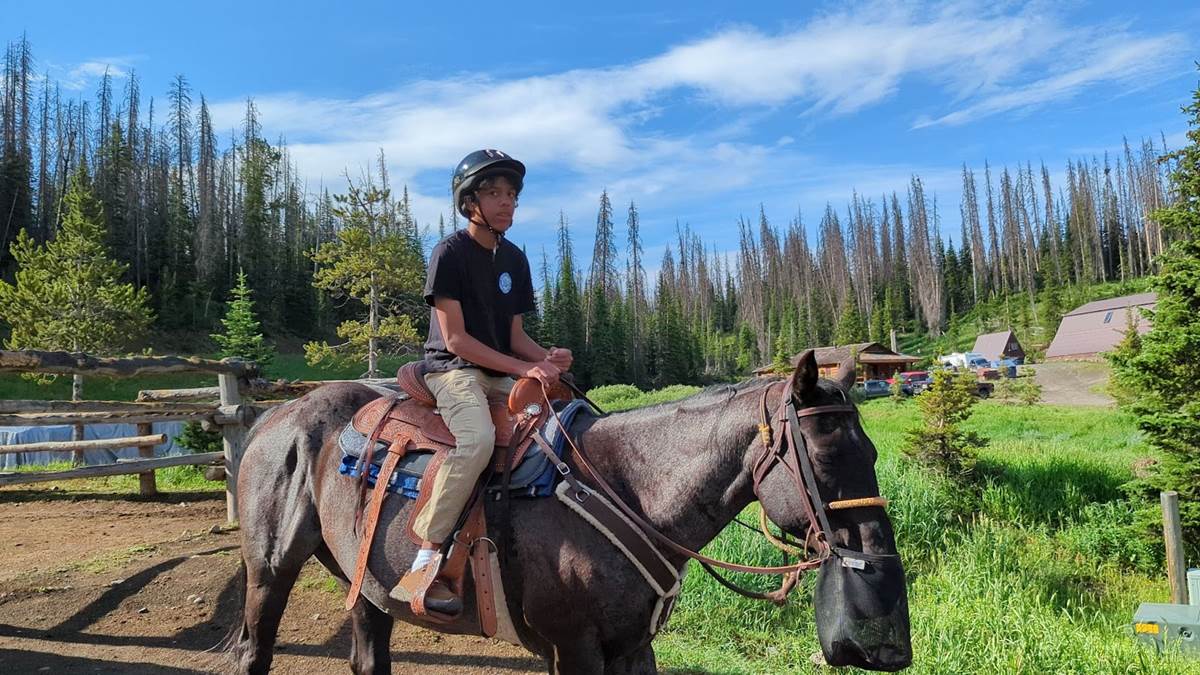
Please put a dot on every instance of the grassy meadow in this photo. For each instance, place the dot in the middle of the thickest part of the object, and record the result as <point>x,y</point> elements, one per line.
<point>1036,573</point>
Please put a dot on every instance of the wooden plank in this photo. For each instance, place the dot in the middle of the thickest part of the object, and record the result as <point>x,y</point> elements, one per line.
<point>131,417</point>
<point>33,361</point>
<point>146,483</point>
<point>176,395</point>
<point>27,407</point>
<point>233,438</point>
<point>257,389</point>
<point>120,468</point>
<point>1173,536</point>
<point>150,440</point>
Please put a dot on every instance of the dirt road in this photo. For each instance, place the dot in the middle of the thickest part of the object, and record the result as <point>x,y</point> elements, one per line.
<point>103,584</point>
<point>1074,382</point>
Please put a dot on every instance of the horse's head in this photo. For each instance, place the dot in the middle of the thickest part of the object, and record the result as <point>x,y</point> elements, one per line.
<point>861,603</point>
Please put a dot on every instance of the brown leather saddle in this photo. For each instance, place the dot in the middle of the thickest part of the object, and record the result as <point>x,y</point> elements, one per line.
<point>411,423</point>
<point>415,424</point>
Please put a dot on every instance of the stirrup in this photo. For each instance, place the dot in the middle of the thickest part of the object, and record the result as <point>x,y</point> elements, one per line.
<point>415,586</point>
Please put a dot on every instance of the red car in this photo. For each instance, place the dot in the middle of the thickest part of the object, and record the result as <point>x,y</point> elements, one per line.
<point>913,381</point>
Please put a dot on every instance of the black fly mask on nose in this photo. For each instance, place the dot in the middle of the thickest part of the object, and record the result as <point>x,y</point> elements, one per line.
<point>861,608</point>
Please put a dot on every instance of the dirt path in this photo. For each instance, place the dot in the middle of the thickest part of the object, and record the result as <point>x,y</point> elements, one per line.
<point>103,584</point>
<point>1073,383</point>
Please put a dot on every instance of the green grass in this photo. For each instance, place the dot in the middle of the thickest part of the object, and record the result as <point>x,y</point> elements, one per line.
<point>618,397</point>
<point>1038,572</point>
<point>285,366</point>
<point>173,479</point>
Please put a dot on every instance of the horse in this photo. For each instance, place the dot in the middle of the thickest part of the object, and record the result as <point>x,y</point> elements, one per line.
<point>686,468</point>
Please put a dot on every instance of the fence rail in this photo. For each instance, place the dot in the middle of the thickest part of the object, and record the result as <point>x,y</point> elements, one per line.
<point>69,363</point>
<point>227,413</point>
<point>120,468</point>
<point>255,389</point>
<point>150,440</point>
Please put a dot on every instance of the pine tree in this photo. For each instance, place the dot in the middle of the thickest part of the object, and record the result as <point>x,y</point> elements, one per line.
<point>68,293</point>
<point>938,443</point>
<point>850,328</point>
<point>1163,373</point>
<point>243,336</point>
<point>373,267</point>
<point>549,317</point>
<point>747,350</point>
<point>568,305</point>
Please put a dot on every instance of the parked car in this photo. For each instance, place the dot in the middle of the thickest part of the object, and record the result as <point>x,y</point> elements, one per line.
<point>1006,367</point>
<point>913,382</point>
<point>874,388</point>
<point>964,360</point>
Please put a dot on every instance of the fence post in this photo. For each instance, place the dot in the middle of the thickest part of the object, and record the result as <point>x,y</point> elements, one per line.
<point>146,483</point>
<point>1173,536</point>
<point>233,437</point>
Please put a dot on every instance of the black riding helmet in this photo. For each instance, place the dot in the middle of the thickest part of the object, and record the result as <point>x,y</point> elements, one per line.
<point>478,166</point>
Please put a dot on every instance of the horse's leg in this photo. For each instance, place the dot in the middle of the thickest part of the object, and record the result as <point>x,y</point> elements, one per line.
<point>266,597</point>
<point>370,641</point>
<point>280,533</point>
<point>638,662</point>
<point>580,655</point>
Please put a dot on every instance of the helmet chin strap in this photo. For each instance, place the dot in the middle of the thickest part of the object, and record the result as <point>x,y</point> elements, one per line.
<point>495,233</point>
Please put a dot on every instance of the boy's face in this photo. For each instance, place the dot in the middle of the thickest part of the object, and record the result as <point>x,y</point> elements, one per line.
<point>497,203</point>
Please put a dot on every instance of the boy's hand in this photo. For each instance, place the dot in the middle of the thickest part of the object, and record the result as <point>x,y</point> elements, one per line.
<point>561,357</point>
<point>545,372</point>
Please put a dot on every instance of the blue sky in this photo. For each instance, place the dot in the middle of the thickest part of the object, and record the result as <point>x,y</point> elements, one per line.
<point>698,111</point>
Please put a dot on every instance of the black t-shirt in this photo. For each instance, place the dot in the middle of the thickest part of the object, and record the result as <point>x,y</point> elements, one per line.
<point>492,289</point>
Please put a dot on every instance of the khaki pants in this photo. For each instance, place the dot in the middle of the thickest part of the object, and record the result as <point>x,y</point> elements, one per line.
<point>462,401</point>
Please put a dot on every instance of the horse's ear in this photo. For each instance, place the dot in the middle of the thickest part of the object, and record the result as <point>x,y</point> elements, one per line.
<point>846,375</point>
<point>804,378</point>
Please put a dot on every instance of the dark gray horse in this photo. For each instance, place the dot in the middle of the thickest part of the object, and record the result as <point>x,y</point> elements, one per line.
<point>575,599</point>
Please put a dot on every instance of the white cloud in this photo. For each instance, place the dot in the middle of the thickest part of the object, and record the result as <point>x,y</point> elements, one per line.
<point>1124,61</point>
<point>591,127</point>
<point>86,74</point>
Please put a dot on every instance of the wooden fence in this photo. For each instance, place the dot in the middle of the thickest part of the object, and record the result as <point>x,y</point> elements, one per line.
<point>229,413</point>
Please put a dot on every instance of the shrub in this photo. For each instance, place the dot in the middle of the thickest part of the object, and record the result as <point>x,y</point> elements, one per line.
<point>1024,390</point>
<point>196,439</point>
<point>938,443</point>
<point>617,397</point>
<point>613,396</point>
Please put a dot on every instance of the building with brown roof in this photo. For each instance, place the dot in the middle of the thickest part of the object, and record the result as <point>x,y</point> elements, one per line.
<point>1097,327</point>
<point>997,346</point>
<point>873,361</point>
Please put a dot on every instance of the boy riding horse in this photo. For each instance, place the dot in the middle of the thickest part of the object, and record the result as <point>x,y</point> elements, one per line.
<point>478,286</point>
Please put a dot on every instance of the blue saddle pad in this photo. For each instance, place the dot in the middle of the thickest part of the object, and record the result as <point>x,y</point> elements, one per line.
<point>535,476</point>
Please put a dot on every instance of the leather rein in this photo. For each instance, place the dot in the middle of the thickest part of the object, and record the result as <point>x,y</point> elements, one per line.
<point>788,449</point>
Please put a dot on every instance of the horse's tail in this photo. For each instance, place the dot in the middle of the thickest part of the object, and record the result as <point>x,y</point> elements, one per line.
<point>234,642</point>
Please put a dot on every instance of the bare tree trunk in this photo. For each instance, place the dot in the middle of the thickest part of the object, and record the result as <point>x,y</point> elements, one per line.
<point>373,340</point>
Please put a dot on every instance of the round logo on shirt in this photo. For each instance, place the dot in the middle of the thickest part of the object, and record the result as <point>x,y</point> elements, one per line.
<point>505,283</point>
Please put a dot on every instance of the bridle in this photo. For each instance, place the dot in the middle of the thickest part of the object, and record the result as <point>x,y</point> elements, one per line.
<point>787,448</point>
